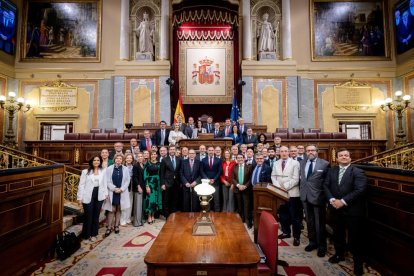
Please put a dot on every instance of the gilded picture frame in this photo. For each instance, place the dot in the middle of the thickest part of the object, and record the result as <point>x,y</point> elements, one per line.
<point>349,30</point>
<point>61,31</point>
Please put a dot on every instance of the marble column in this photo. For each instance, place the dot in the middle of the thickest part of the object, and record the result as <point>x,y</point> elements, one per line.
<point>124,39</point>
<point>247,31</point>
<point>286,30</point>
<point>164,39</point>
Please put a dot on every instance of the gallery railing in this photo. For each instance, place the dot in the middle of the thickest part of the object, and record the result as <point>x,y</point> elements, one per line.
<point>11,159</point>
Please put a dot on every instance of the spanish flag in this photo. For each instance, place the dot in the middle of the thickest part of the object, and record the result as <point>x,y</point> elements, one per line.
<point>179,112</point>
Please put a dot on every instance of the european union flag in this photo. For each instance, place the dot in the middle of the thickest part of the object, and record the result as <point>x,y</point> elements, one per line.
<point>234,115</point>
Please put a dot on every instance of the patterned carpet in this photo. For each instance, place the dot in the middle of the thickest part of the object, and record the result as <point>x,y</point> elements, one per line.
<point>123,254</point>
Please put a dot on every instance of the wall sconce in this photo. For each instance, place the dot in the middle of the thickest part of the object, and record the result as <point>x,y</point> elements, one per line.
<point>12,106</point>
<point>399,104</point>
<point>241,82</point>
<point>170,82</point>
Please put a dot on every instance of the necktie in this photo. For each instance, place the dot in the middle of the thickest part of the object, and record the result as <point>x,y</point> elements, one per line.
<point>162,137</point>
<point>341,174</point>
<point>211,162</point>
<point>148,145</point>
<point>250,137</point>
<point>310,169</point>
<point>283,165</point>
<point>208,128</point>
<point>191,164</point>
<point>271,163</point>
<point>173,162</point>
<point>227,131</point>
<point>240,174</point>
<point>256,175</point>
<point>216,133</point>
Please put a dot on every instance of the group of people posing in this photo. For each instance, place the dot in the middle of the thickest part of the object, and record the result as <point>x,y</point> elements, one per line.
<point>151,179</point>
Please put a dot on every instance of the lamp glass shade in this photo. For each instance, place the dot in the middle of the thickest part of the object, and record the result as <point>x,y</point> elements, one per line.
<point>12,94</point>
<point>2,98</point>
<point>388,100</point>
<point>20,100</point>
<point>204,189</point>
<point>398,93</point>
<point>407,97</point>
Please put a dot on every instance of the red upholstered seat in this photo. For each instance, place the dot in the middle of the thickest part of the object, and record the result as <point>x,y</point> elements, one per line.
<point>116,136</point>
<point>301,129</point>
<point>310,135</point>
<point>95,130</point>
<point>101,136</point>
<point>314,130</point>
<point>71,136</point>
<point>325,135</point>
<point>281,130</point>
<point>267,240</point>
<point>85,136</point>
<point>282,135</point>
<point>110,130</point>
<point>339,135</point>
<point>295,135</point>
<point>129,136</point>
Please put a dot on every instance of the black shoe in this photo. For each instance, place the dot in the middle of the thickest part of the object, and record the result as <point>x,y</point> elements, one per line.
<point>321,253</point>
<point>336,259</point>
<point>116,230</point>
<point>296,242</point>
<point>108,232</point>
<point>284,236</point>
<point>310,247</point>
<point>249,226</point>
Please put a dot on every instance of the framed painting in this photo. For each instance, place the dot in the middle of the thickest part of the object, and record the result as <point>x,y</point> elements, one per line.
<point>61,31</point>
<point>349,30</point>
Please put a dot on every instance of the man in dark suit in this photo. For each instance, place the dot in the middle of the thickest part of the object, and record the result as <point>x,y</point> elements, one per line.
<point>201,152</point>
<point>170,182</point>
<point>217,132</point>
<point>312,176</point>
<point>241,180</point>
<point>345,187</point>
<point>161,135</point>
<point>261,172</point>
<point>242,128</point>
<point>250,139</point>
<point>211,169</point>
<point>190,127</point>
<point>146,142</point>
<point>209,126</point>
<point>190,177</point>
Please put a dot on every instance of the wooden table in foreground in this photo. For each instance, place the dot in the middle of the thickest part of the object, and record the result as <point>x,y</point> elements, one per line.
<point>177,252</point>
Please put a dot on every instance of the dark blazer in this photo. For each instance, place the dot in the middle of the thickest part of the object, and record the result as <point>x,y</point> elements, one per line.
<point>188,175</point>
<point>253,140</point>
<point>189,131</point>
<point>143,144</point>
<point>236,140</point>
<point>244,132</point>
<point>182,127</point>
<point>168,175</point>
<point>138,178</point>
<point>211,128</point>
<point>158,137</point>
<point>265,173</point>
<point>247,177</point>
<point>311,189</point>
<point>220,134</point>
<point>351,189</point>
<point>198,156</point>
<point>211,173</point>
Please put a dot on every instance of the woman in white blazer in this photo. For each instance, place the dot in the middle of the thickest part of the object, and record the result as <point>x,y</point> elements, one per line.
<point>92,191</point>
<point>117,179</point>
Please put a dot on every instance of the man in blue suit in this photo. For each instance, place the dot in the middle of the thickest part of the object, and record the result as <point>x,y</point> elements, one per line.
<point>261,171</point>
<point>211,169</point>
<point>190,177</point>
<point>146,142</point>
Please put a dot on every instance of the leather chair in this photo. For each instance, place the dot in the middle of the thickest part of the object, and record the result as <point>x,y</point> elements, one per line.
<point>310,135</point>
<point>110,130</point>
<point>71,136</point>
<point>101,136</point>
<point>282,135</point>
<point>141,135</point>
<point>269,136</point>
<point>339,135</point>
<point>85,136</point>
<point>296,130</point>
<point>325,135</point>
<point>95,130</point>
<point>116,136</point>
<point>268,242</point>
<point>314,130</point>
<point>281,130</point>
<point>295,135</point>
<point>129,136</point>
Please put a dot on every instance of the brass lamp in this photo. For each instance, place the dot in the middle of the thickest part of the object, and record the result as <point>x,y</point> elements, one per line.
<point>204,225</point>
<point>12,106</point>
<point>401,103</point>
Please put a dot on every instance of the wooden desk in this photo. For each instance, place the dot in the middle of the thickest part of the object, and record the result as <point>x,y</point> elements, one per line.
<point>177,252</point>
<point>266,197</point>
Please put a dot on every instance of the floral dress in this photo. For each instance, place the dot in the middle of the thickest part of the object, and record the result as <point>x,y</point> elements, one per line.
<point>153,201</point>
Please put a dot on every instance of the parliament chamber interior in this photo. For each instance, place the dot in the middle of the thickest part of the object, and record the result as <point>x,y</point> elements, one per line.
<point>282,94</point>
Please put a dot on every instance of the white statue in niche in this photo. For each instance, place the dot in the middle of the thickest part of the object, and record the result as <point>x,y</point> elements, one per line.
<point>266,45</point>
<point>145,38</point>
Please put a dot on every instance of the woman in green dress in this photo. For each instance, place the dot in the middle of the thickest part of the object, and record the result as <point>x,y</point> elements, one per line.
<point>153,199</point>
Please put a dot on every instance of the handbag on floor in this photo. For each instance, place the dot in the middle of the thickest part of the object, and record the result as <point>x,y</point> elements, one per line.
<point>67,243</point>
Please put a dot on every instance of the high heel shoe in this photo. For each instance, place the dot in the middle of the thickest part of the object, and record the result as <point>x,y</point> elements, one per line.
<point>108,232</point>
<point>116,230</point>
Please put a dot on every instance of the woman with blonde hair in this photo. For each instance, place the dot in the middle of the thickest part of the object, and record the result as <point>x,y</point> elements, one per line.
<point>126,213</point>
<point>118,180</point>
